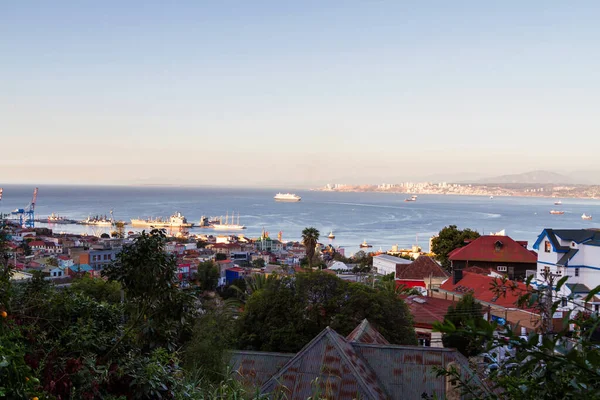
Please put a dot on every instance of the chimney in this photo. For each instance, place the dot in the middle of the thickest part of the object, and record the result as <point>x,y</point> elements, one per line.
<point>457,275</point>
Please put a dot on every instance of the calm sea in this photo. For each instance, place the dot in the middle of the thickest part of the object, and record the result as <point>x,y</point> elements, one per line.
<point>379,218</point>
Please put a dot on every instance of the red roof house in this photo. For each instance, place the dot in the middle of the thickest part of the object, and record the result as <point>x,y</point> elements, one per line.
<point>481,288</point>
<point>423,272</point>
<point>498,253</point>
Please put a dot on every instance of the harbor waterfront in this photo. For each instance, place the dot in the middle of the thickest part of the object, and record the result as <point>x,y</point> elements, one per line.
<point>381,219</point>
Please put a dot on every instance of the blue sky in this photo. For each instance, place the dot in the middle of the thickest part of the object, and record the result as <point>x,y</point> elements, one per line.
<point>303,92</point>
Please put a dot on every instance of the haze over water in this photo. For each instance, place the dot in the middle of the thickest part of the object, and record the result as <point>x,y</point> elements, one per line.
<point>382,219</point>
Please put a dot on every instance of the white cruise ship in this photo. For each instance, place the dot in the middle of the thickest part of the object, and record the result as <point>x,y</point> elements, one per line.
<point>287,197</point>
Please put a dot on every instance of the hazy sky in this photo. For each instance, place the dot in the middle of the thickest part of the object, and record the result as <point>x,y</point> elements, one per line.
<point>265,92</point>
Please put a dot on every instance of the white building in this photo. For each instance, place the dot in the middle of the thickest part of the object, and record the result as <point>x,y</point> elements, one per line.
<point>574,253</point>
<point>385,264</point>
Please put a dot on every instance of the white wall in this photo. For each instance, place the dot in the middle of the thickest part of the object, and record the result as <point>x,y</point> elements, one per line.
<point>384,267</point>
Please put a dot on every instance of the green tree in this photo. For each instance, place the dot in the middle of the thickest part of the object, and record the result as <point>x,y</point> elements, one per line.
<point>258,263</point>
<point>158,311</point>
<point>466,312</point>
<point>52,262</point>
<point>310,238</point>
<point>99,289</point>
<point>448,239</point>
<point>208,275</point>
<point>26,248</point>
<point>220,257</point>
<point>288,312</point>
<point>105,236</point>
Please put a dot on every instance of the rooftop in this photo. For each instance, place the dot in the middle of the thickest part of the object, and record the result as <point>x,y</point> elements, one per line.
<point>481,288</point>
<point>422,268</point>
<point>393,259</point>
<point>494,249</point>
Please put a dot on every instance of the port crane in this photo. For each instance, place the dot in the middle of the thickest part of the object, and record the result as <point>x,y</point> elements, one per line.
<point>26,215</point>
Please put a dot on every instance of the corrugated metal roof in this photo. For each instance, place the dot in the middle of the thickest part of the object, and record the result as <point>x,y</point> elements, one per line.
<point>393,259</point>
<point>408,372</point>
<point>254,368</point>
<point>366,333</point>
<point>327,365</point>
<point>333,368</point>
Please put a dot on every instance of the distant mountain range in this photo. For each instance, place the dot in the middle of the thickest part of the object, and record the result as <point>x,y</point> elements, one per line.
<point>545,178</point>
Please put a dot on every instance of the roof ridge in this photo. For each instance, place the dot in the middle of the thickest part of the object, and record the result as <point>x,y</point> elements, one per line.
<point>356,372</point>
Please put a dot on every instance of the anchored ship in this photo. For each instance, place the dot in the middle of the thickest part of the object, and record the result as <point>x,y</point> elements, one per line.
<point>175,221</point>
<point>99,220</point>
<point>556,212</point>
<point>57,219</point>
<point>287,197</point>
<point>228,226</point>
<point>365,245</point>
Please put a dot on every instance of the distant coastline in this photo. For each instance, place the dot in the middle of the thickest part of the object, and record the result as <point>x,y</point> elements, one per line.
<point>591,192</point>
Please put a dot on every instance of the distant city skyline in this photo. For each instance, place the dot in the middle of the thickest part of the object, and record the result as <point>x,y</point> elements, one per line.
<point>296,94</point>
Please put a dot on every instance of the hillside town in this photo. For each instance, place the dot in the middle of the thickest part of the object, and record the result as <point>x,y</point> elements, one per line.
<point>474,267</point>
<point>473,189</point>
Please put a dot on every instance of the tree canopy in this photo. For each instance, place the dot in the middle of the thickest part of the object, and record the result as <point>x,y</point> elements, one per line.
<point>310,238</point>
<point>448,239</point>
<point>466,312</point>
<point>288,312</point>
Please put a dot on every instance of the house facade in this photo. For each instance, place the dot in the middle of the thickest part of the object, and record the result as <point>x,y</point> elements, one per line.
<point>384,264</point>
<point>500,254</point>
<point>574,253</point>
<point>424,272</point>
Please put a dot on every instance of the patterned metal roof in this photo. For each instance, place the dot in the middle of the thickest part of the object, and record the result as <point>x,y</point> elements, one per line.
<point>333,367</point>
<point>254,368</point>
<point>329,366</point>
<point>365,333</point>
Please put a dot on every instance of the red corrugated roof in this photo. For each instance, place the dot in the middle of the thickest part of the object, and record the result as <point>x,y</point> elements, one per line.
<point>494,249</point>
<point>481,287</point>
<point>427,310</point>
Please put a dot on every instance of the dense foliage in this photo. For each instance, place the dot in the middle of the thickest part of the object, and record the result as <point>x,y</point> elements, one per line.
<point>448,239</point>
<point>286,313</point>
<point>465,313</point>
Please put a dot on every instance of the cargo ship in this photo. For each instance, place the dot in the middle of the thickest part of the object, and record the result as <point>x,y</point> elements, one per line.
<point>556,212</point>
<point>287,197</point>
<point>175,221</point>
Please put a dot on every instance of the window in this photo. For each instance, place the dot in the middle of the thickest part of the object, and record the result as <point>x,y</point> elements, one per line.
<point>547,247</point>
<point>576,271</point>
<point>546,270</point>
<point>564,302</point>
<point>596,307</point>
<point>501,268</point>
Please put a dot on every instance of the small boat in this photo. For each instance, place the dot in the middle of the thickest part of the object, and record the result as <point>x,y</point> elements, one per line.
<point>586,217</point>
<point>557,203</point>
<point>331,235</point>
<point>411,198</point>
<point>365,245</point>
<point>556,212</point>
<point>491,197</point>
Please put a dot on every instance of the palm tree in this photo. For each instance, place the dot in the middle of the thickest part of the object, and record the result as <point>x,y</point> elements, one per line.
<point>310,238</point>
